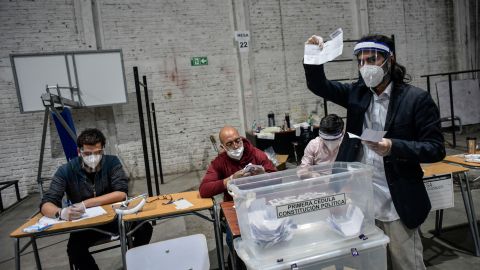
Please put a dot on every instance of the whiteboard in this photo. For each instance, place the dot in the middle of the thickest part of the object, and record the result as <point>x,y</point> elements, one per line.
<point>466,94</point>
<point>99,76</point>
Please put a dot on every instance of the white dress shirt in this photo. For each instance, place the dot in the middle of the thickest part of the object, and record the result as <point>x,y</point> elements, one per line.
<point>375,119</point>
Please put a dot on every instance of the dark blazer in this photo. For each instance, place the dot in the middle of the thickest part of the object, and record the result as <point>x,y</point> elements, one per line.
<point>413,125</point>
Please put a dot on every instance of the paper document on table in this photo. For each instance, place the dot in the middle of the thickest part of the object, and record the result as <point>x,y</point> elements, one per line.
<point>472,158</point>
<point>49,221</point>
<point>314,55</point>
<point>182,204</point>
<point>369,135</point>
<point>92,212</point>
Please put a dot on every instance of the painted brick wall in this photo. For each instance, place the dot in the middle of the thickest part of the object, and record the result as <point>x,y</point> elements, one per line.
<point>160,37</point>
<point>278,47</point>
<point>29,26</point>
<point>191,102</point>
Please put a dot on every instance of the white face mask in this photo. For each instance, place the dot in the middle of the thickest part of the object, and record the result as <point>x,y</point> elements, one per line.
<point>332,145</point>
<point>236,154</point>
<point>372,74</point>
<point>92,160</point>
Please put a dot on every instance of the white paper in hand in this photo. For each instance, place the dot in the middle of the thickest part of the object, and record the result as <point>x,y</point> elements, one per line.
<point>369,135</point>
<point>314,55</point>
<point>373,135</point>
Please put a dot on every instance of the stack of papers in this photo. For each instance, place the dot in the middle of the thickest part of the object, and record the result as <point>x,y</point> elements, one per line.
<point>472,158</point>
<point>46,222</point>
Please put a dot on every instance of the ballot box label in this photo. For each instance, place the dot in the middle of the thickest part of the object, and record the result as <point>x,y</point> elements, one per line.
<point>312,205</point>
<point>440,191</point>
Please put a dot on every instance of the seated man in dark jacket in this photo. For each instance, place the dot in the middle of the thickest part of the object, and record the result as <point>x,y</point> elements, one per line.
<point>382,100</point>
<point>91,179</point>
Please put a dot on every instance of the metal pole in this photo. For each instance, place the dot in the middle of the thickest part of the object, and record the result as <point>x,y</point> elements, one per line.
<point>325,108</point>
<point>142,131</point>
<point>152,146</point>
<point>158,144</point>
<point>428,84</point>
<point>42,151</point>
<point>451,111</point>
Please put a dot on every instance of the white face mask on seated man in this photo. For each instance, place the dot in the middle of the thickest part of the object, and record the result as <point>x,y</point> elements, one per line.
<point>235,153</point>
<point>91,156</point>
<point>92,160</point>
<point>331,142</point>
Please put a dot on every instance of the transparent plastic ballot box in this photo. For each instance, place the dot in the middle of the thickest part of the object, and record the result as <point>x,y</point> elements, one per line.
<point>300,209</point>
<point>368,253</point>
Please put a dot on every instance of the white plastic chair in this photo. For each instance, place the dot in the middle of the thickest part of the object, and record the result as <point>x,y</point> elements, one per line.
<point>185,253</point>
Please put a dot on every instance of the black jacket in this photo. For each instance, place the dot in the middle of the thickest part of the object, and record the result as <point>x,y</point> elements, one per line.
<point>70,178</point>
<point>413,125</point>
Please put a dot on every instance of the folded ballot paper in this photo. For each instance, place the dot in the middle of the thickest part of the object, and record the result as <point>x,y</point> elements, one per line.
<point>315,55</point>
<point>251,167</point>
<point>369,135</point>
<point>267,230</point>
<point>347,224</point>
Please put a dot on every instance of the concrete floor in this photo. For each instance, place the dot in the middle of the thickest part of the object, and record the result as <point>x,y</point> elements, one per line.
<point>438,254</point>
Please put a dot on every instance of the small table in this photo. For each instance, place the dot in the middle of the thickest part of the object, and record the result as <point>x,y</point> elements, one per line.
<point>56,229</point>
<point>230,220</point>
<point>460,160</point>
<point>440,168</point>
<point>156,209</point>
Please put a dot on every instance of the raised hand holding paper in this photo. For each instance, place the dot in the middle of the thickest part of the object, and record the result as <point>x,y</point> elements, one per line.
<point>315,55</point>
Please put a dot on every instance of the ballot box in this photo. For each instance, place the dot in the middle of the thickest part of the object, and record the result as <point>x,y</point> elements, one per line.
<point>352,254</point>
<point>305,213</point>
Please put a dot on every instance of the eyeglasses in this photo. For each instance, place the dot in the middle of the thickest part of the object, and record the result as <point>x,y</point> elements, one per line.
<point>167,197</point>
<point>93,152</point>
<point>237,141</point>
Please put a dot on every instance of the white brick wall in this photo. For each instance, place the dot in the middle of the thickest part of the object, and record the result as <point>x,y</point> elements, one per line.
<point>160,37</point>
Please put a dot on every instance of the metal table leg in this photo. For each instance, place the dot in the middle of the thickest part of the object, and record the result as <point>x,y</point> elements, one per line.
<point>218,237</point>
<point>467,201</point>
<point>35,253</point>
<point>17,253</point>
<point>438,222</point>
<point>123,246</point>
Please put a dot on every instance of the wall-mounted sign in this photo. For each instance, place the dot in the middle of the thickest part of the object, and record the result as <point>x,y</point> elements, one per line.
<point>199,61</point>
<point>243,39</point>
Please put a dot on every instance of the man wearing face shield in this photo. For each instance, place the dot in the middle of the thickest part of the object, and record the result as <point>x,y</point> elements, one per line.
<point>229,164</point>
<point>382,99</point>
<point>91,179</point>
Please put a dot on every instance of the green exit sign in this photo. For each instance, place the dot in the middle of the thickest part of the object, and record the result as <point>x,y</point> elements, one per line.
<point>199,61</point>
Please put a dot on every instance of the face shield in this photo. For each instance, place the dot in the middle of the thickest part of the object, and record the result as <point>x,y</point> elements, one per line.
<point>371,59</point>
